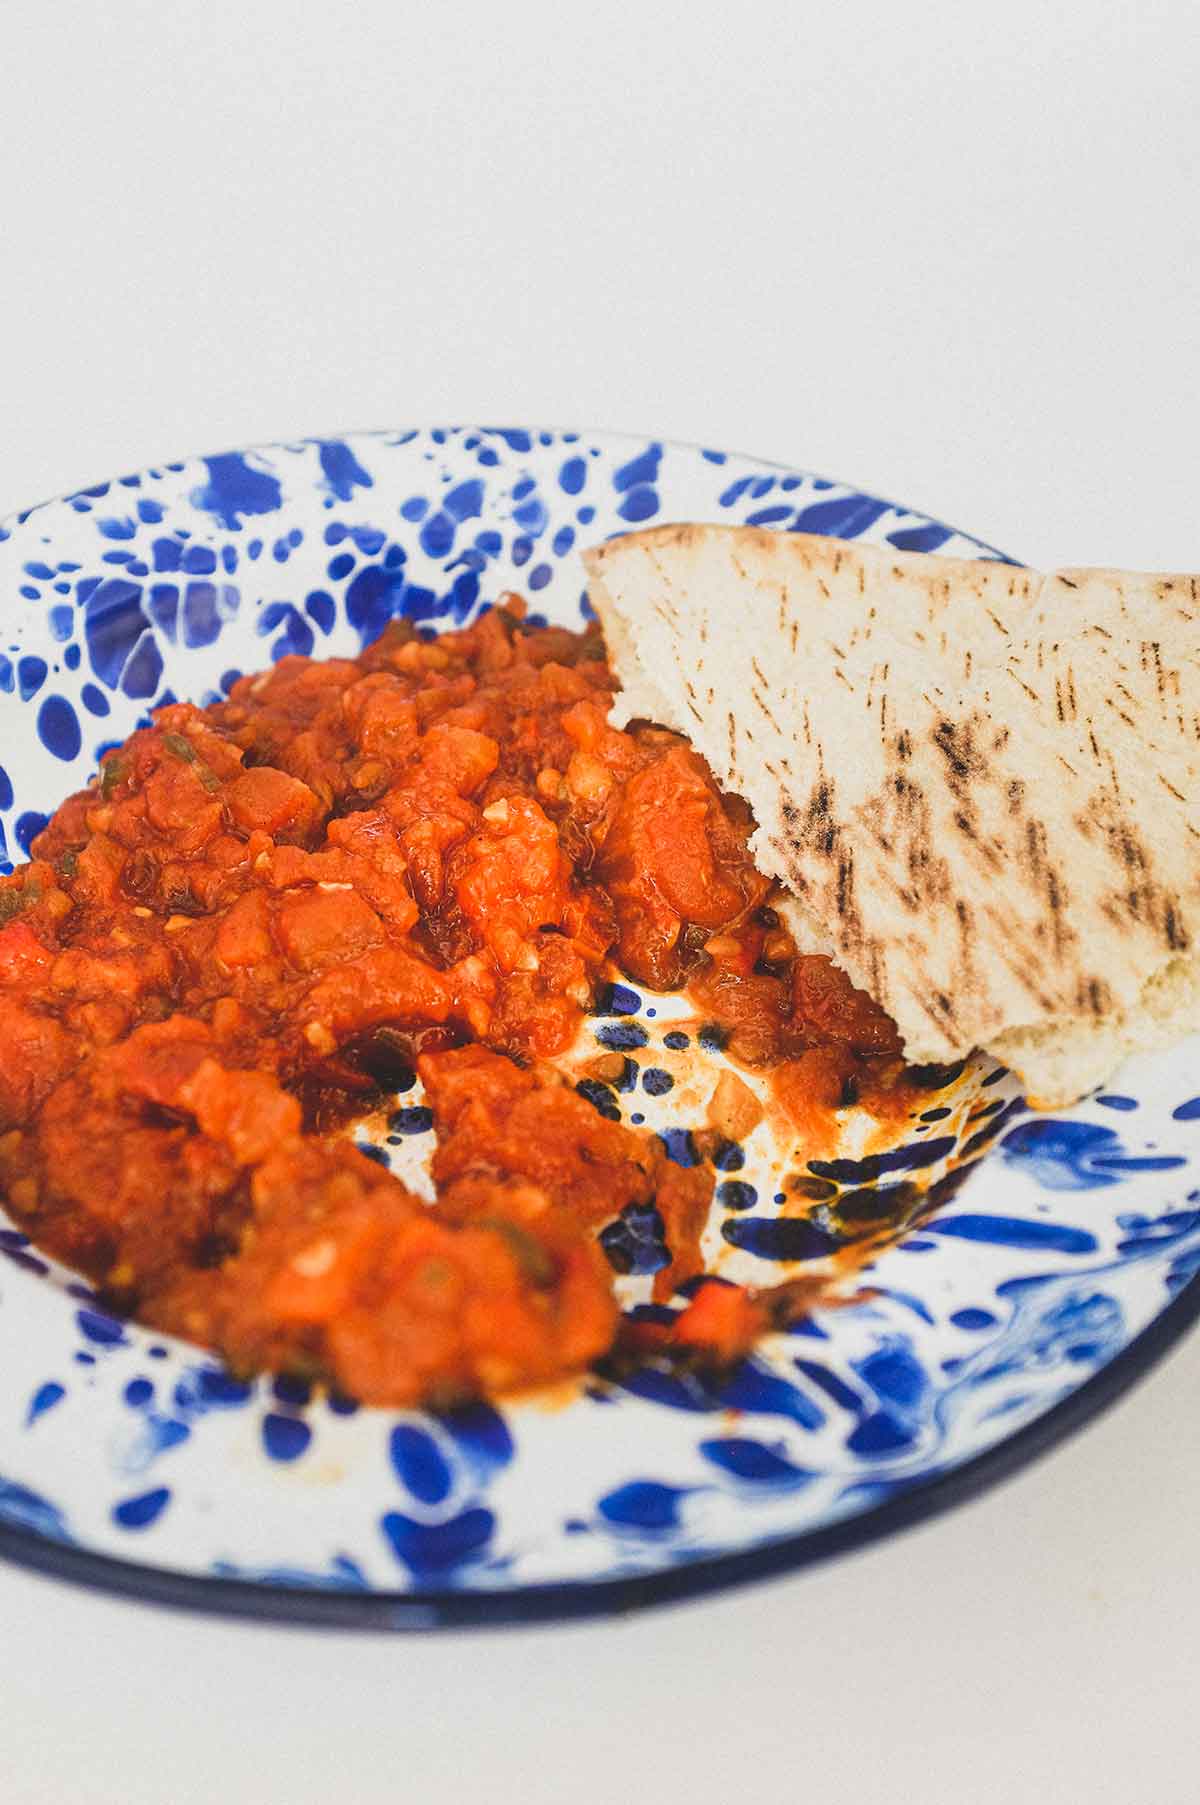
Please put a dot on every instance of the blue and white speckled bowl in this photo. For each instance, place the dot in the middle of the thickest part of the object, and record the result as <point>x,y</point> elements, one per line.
<point>1060,1268</point>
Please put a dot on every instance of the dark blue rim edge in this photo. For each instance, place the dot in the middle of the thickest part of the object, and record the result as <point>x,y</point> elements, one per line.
<point>413,1611</point>
<point>601,1598</point>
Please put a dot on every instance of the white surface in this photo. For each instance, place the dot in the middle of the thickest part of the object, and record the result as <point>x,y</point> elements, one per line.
<point>946,251</point>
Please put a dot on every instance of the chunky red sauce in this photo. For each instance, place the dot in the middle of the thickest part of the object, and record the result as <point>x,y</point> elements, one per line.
<point>264,912</point>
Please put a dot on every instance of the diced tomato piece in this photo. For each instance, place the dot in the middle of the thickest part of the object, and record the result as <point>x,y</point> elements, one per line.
<point>812,1088</point>
<point>178,804</point>
<point>275,802</point>
<point>23,958</point>
<point>98,869</point>
<point>318,1281</point>
<point>38,1053</point>
<point>826,1006</point>
<point>244,936</point>
<point>247,1111</point>
<point>513,880</point>
<point>458,756</point>
<point>318,927</point>
<point>384,985</point>
<point>723,1319</point>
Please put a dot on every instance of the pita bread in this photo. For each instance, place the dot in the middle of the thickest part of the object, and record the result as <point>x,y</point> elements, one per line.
<point>981,784</point>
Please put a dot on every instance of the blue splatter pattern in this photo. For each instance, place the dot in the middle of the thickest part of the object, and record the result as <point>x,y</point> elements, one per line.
<point>1025,1279</point>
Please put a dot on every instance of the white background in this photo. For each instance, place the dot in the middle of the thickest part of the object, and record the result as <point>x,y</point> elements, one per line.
<point>946,251</point>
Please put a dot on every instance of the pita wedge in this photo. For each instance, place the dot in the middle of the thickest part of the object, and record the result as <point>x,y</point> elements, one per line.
<point>980,784</point>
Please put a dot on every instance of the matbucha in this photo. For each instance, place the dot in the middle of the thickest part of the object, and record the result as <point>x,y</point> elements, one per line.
<point>265,915</point>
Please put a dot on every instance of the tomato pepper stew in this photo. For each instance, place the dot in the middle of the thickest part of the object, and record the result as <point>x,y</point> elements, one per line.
<point>265,915</point>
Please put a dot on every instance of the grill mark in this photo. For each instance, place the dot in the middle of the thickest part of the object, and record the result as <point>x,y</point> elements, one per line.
<point>956,747</point>
<point>845,884</point>
<point>837,883</point>
<point>1177,936</point>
